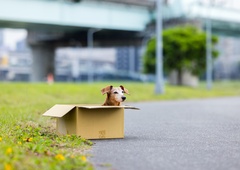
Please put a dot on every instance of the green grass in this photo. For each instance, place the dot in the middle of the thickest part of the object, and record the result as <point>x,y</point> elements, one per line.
<point>28,140</point>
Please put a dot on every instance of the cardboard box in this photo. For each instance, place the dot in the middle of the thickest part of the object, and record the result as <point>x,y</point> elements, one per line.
<point>89,121</point>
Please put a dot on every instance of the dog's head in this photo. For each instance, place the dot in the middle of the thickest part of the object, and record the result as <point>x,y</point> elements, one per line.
<point>115,94</point>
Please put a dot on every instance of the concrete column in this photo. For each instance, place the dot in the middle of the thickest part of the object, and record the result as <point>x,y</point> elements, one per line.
<point>43,61</point>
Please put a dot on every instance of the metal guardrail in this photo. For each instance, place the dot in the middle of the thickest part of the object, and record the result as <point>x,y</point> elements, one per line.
<point>146,3</point>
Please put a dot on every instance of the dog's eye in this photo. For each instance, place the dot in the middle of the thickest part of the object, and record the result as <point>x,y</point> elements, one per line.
<point>115,92</point>
<point>123,91</point>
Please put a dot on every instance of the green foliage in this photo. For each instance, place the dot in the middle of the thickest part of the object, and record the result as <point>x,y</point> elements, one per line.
<point>31,146</point>
<point>183,48</point>
<point>27,139</point>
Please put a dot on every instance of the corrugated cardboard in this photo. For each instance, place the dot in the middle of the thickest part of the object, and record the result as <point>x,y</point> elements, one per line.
<point>89,121</point>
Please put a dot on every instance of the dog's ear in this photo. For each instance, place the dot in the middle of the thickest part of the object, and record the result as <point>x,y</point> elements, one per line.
<point>106,89</point>
<point>124,89</point>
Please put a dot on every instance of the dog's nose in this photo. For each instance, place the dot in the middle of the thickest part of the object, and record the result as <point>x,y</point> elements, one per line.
<point>123,98</point>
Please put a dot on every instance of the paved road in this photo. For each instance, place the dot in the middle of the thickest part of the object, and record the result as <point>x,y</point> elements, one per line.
<point>175,135</point>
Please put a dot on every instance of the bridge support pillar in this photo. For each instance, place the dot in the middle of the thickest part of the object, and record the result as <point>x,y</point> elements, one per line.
<point>43,61</point>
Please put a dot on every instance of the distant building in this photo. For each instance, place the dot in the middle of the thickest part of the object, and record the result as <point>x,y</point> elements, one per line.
<point>79,64</point>
<point>22,45</point>
<point>128,61</point>
<point>15,65</point>
<point>227,65</point>
<point>1,38</point>
<point>76,64</point>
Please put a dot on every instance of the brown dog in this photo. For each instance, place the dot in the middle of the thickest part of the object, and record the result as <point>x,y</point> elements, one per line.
<point>115,95</point>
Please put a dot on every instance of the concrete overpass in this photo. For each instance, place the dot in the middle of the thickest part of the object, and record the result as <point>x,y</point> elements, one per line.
<point>65,14</point>
<point>224,14</point>
<point>55,23</point>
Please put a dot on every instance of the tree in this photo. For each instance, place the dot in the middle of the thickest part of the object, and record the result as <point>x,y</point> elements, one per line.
<point>184,48</point>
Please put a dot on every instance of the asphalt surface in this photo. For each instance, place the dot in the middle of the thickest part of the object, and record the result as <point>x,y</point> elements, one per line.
<point>175,135</point>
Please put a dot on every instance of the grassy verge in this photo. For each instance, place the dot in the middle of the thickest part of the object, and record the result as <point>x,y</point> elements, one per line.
<point>28,140</point>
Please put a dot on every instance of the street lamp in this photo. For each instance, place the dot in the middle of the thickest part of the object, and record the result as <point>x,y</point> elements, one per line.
<point>159,86</point>
<point>90,33</point>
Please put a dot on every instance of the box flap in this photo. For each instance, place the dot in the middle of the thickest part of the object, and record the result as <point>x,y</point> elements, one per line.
<point>106,107</point>
<point>59,110</point>
<point>131,107</point>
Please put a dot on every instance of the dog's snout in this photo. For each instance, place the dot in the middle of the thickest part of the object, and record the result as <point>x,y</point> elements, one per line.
<point>123,98</point>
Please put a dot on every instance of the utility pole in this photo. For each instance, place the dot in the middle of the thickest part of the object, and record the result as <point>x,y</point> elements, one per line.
<point>159,86</point>
<point>209,48</point>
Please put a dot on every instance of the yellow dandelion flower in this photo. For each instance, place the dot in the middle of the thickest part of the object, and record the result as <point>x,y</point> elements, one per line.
<point>8,166</point>
<point>83,158</point>
<point>19,142</point>
<point>9,151</point>
<point>0,139</point>
<point>29,139</point>
<point>60,157</point>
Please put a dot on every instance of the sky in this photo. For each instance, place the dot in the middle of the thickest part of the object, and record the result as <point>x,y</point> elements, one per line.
<point>12,36</point>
